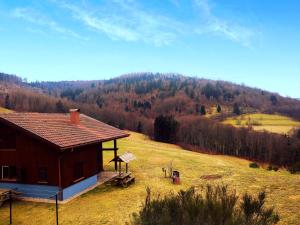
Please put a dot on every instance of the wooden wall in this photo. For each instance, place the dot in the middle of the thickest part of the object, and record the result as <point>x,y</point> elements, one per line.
<point>87,155</point>
<point>30,155</point>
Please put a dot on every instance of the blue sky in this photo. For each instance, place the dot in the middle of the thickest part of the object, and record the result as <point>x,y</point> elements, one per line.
<point>255,42</point>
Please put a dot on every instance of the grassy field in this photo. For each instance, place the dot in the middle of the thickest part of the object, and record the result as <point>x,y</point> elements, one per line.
<point>259,121</point>
<point>4,110</point>
<point>111,205</point>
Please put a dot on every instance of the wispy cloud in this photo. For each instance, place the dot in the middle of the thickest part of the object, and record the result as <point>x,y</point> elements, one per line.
<point>32,16</point>
<point>219,26</point>
<point>125,20</point>
<point>130,20</point>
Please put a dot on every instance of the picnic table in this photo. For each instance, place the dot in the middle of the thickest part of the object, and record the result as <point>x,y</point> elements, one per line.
<point>124,179</point>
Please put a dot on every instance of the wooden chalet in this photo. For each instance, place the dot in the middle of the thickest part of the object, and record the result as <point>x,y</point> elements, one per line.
<point>42,154</point>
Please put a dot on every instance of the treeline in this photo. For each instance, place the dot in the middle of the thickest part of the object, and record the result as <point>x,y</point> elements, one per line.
<point>9,78</point>
<point>201,134</point>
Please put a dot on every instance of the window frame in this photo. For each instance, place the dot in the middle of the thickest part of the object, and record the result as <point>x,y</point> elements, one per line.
<point>78,171</point>
<point>11,173</point>
<point>41,180</point>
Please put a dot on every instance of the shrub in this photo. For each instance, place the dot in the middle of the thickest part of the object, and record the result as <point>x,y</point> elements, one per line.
<point>216,205</point>
<point>294,168</point>
<point>253,165</point>
<point>270,167</point>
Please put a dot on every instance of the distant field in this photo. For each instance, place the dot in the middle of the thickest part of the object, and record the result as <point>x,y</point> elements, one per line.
<point>111,205</point>
<point>259,121</point>
<point>4,110</point>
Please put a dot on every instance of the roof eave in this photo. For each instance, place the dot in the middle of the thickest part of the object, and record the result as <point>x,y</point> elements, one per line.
<point>63,148</point>
<point>11,124</point>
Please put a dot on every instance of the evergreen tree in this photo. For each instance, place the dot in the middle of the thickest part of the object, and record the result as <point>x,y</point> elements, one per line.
<point>139,127</point>
<point>236,109</point>
<point>203,110</point>
<point>7,103</point>
<point>273,99</point>
<point>60,107</point>
<point>219,109</point>
<point>165,128</point>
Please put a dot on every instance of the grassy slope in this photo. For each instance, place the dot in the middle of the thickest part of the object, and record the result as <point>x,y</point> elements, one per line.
<point>110,205</point>
<point>272,123</point>
<point>4,110</point>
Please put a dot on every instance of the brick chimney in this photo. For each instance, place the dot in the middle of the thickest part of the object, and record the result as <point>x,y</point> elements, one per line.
<point>74,115</point>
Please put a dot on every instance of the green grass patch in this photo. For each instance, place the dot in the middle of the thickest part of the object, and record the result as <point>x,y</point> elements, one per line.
<point>268,122</point>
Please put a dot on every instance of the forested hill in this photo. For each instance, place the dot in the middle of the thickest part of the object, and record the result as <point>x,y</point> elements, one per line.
<point>148,95</point>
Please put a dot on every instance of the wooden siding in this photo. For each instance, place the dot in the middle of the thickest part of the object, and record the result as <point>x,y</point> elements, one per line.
<point>29,156</point>
<point>87,155</point>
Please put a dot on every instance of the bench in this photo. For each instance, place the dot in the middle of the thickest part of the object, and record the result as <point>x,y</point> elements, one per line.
<point>128,181</point>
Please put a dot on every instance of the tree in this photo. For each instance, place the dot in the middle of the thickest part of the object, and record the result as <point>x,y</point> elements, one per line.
<point>236,109</point>
<point>7,103</point>
<point>139,127</point>
<point>165,128</point>
<point>60,107</point>
<point>273,99</point>
<point>203,110</point>
<point>219,109</point>
<point>298,133</point>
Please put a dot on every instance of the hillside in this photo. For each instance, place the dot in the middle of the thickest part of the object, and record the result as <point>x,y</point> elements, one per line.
<point>129,99</point>
<point>110,205</point>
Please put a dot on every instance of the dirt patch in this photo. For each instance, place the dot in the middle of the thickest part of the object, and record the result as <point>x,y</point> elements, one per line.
<point>211,177</point>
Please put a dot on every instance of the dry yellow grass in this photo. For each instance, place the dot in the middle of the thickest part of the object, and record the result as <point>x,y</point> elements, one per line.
<point>259,121</point>
<point>4,110</point>
<point>111,205</point>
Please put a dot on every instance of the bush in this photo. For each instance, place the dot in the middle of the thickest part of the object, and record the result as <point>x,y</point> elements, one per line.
<point>294,168</point>
<point>253,165</point>
<point>270,167</point>
<point>215,206</point>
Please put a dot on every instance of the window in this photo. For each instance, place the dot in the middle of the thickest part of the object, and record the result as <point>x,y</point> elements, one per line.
<point>78,171</point>
<point>43,174</point>
<point>8,173</point>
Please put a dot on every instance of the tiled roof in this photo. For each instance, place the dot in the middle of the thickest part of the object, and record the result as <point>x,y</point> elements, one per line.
<point>57,128</point>
<point>126,157</point>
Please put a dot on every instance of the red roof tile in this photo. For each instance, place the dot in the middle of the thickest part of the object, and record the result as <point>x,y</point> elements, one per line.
<point>58,129</point>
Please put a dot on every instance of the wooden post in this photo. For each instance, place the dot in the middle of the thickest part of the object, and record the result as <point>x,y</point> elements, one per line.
<point>115,154</point>
<point>10,208</point>
<point>56,204</point>
<point>100,155</point>
<point>59,174</point>
<point>120,168</point>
